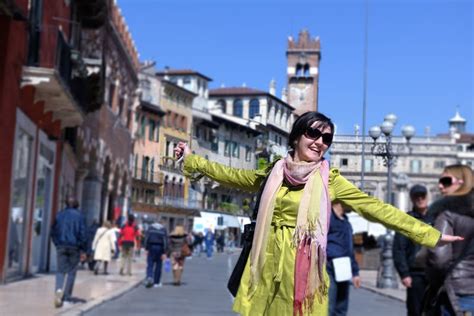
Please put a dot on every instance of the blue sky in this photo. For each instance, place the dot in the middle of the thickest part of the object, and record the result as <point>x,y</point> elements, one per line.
<point>420,56</point>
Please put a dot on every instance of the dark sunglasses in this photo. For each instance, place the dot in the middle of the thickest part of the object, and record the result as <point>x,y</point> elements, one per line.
<point>314,134</point>
<point>446,181</point>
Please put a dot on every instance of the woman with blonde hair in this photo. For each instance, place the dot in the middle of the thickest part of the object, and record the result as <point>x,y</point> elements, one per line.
<point>286,273</point>
<point>451,267</point>
<point>177,239</point>
<point>103,246</point>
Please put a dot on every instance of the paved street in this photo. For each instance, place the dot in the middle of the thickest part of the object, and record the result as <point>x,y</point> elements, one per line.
<point>204,293</point>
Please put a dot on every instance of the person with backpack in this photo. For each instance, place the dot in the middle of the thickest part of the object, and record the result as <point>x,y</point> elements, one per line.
<point>128,235</point>
<point>156,245</point>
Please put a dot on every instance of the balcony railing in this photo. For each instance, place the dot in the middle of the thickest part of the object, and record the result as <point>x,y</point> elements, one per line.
<point>170,164</point>
<point>148,176</point>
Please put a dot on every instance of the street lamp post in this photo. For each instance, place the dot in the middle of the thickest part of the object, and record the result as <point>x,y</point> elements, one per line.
<point>386,277</point>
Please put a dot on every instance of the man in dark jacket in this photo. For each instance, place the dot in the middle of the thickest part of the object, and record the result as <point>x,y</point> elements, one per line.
<point>410,258</point>
<point>340,246</point>
<point>69,236</point>
<point>156,244</point>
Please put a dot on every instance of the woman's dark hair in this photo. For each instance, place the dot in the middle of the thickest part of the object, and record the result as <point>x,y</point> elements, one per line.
<point>306,120</point>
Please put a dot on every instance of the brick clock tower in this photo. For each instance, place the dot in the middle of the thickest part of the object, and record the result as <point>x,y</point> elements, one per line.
<point>303,58</point>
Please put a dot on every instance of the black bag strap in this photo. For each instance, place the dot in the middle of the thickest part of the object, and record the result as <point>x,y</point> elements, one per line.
<point>259,197</point>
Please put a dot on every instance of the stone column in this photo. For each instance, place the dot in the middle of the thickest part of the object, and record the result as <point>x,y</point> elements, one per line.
<point>92,196</point>
<point>80,175</point>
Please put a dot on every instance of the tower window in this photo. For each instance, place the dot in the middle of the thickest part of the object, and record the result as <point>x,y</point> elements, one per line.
<point>299,70</point>
<point>306,70</point>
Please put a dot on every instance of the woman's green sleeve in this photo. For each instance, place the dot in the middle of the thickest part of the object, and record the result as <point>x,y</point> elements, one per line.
<point>248,180</point>
<point>375,210</point>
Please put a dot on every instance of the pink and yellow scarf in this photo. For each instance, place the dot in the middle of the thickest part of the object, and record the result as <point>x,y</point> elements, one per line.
<point>312,225</point>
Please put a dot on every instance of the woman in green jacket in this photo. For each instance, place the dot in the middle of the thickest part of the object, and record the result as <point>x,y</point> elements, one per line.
<point>285,273</point>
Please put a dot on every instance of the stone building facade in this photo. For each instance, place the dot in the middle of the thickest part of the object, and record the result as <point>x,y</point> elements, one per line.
<point>45,93</point>
<point>147,179</point>
<point>174,206</point>
<point>261,110</point>
<point>103,144</point>
<point>421,161</point>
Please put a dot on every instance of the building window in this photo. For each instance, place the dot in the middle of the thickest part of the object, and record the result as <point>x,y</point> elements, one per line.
<point>221,105</point>
<point>254,108</point>
<point>214,139</point>
<point>344,162</point>
<point>151,131</point>
<point>136,166</point>
<point>157,133</point>
<point>187,81</point>
<point>145,166</point>
<point>415,166</point>
<point>278,140</point>
<point>235,150</point>
<point>238,108</point>
<point>152,169</point>
<point>227,148</point>
<point>142,126</point>
<point>248,153</point>
<point>439,164</point>
<point>369,165</point>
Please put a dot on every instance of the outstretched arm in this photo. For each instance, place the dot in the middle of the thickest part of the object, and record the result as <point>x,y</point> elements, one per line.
<point>375,210</point>
<point>248,180</point>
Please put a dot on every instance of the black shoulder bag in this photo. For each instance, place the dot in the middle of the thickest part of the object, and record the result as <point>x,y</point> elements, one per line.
<point>434,290</point>
<point>247,239</point>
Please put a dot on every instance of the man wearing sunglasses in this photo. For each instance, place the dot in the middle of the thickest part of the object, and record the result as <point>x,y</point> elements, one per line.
<point>408,257</point>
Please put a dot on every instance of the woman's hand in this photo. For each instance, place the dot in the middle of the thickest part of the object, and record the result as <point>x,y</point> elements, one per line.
<point>446,239</point>
<point>182,150</point>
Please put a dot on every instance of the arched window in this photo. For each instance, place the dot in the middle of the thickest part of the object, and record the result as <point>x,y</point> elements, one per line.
<point>306,70</point>
<point>238,108</point>
<point>222,105</point>
<point>299,70</point>
<point>254,108</point>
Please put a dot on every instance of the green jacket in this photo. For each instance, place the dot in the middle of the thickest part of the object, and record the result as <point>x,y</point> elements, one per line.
<point>340,189</point>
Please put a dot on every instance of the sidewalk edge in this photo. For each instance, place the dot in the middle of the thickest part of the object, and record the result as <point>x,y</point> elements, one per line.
<point>83,308</point>
<point>371,289</point>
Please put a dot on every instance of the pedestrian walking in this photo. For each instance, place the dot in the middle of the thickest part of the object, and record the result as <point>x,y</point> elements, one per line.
<point>285,272</point>
<point>410,258</point>
<point>197,244</point>
<point>91,230</point>
<point>177,240</point>
<point>341,266</point>
<point>128,235</point>
<point>451,267</point>
<point>156,245</point>
<point>220,241</point>
<point>69,236</point>
<point>209,243</point>
<point>103,246</point>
